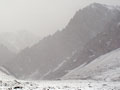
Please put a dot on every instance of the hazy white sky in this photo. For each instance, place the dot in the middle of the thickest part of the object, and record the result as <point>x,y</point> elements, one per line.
<point>40,16</point>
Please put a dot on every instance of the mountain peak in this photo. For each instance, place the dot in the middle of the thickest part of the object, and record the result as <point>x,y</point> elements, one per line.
<point>99,5</point>
<point>96,5</point>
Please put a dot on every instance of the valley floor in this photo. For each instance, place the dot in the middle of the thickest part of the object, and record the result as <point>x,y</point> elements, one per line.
<point>58,85</point>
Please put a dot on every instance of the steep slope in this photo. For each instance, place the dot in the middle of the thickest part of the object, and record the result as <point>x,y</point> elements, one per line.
<point>106,67</point>
<point>53,51</point>
<point>5,54</point>
<point>104,42</point>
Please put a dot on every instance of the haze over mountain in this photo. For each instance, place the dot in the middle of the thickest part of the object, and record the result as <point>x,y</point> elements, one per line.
<point>103,43</point>
<point>106,67</point>
<point>17,41</point>
<point>56,55</point>
<point>5,54</point>
<point>41,16</point>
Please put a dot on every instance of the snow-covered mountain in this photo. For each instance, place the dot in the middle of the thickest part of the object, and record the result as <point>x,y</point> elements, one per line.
<point>56,55</point>
<point>17,41</point>
<point>103,43</point>
<point>106,67</point>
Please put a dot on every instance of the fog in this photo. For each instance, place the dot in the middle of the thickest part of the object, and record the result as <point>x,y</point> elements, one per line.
<point>40,16</point>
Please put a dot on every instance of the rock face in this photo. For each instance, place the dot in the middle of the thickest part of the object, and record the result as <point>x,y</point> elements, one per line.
<point>56,55</point>
<point>103,43</point>
<point>105,67</point>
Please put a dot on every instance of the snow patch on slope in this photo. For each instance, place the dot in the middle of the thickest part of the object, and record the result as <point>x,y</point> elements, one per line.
<point>105,66</point>
<point>60,65</point>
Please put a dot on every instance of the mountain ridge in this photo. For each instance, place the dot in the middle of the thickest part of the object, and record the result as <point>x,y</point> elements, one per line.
<point>50,52</point>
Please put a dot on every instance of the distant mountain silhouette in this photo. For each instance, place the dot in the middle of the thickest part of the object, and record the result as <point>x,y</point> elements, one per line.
<point>55,55</point>
<point>5,54</point>
<point>17,41</point>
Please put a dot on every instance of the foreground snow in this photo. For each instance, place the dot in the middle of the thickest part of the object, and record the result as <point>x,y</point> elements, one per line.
<point>58,85</point>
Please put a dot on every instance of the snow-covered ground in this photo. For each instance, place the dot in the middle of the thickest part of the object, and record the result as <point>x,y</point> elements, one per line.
<point>3,76</point>
<point>105,72</point>
<point>58,85</point>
